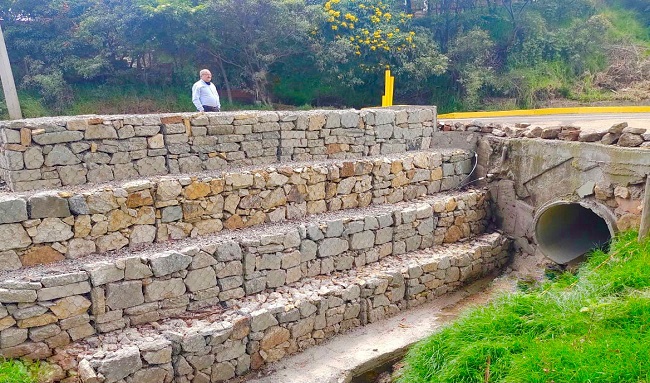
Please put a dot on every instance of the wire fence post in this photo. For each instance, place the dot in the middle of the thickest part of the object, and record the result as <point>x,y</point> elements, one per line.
<point>645,213</point>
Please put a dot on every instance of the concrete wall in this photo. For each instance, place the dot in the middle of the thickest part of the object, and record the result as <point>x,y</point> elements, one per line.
<point>527,167</point>
<point>62,151</point>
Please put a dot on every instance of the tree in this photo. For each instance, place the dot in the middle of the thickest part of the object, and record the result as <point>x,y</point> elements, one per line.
<point>248,37</point>
<point>358,39</point>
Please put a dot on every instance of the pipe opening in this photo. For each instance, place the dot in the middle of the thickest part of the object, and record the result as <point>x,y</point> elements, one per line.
<point>565,231</point>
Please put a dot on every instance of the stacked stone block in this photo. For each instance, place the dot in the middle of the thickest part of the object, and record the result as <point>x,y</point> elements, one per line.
<point>54,152</point>
<point>232,343</point>
<point>49,226</point>
<point>40,314</point>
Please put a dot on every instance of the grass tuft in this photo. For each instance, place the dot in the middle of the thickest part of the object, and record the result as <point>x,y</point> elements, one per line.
<point>592,326</point>
<point>14,371</point>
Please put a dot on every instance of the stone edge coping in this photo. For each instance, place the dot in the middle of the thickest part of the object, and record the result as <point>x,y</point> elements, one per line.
<point>257,316</point>
<point>17,124</point>
<point>35,273</point>
<point>617,135</point>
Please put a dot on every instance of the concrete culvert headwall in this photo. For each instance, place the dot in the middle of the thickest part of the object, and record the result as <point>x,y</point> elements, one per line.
<point>566,230</point>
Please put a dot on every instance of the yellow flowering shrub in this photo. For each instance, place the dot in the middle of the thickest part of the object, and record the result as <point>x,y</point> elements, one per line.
<point>375,32</point>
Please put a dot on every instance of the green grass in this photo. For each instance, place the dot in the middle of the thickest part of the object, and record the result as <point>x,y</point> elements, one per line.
<point>592,326</point>
<point>13,371</point>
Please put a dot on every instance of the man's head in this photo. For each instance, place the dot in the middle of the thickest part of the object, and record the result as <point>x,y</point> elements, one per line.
<point>205,75</point>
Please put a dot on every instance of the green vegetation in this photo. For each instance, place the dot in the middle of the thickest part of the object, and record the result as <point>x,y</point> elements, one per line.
<point>110,56</point>
<point>591,326</point>
<point>13,371</point>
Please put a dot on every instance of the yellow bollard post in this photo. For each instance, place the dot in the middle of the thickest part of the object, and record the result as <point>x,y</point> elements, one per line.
<point>385,99</point>
<point>391,90</point>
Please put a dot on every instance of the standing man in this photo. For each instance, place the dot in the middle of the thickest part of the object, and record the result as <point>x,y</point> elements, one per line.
<point>204,93</point>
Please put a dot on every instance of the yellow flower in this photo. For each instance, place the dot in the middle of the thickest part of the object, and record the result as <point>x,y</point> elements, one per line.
<point>390,34</point>
<point>334,27</point>
<point>372,48</point>
<point>357,53</point>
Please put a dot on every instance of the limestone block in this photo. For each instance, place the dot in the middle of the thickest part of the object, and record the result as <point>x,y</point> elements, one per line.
<point>39,255</point>
<point>33,158</point>
<point>25,175</point>
<point>171,214</point>
<point>17,296</point>
<point>191,164</point>
<point>51,293</point>
<point>151,166</point>
<point>167,289</point>
<point>79,247</point>
<point>239,180</point>
<point>102,202</point>
<point>9,261</point>
<point>98,132</point>
<point>362,240</point>
<point>157,352</point>
<point>70,307</point>
<point>221,372</point>
<point>168,262</point>
<point>120,364</point>
<point>261,320</point>
<point>52,230</point>
<point>48,204</point>
<point>80,124</point>
<point>136,269</point>
<point>332,246</point>
<point>112,241</point>
<point>13,160</point>
<point>12,209</point>
<point>124,295</point>
<point>12,336</point>
<point>630,140</point>
<point>168,190</point>
<point>61,155</point>
<point>104,272</point>
<point>64,279</point>
<point>13,236</point>
<point>100,173</point>
<point>72,175</point>
<point>10,136</point>
<point>57,137</point>
<point>228,251</point>
<point>201,279</point>
<point>141,234</point>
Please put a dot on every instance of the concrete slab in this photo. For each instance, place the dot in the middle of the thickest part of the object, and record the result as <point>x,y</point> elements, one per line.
<point>365,348</point>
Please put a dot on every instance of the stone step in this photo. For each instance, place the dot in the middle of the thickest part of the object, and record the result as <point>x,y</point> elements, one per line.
<point>47,227</point>
<point>219,344</point>
<point>46,307</point>
<point>51,152</point>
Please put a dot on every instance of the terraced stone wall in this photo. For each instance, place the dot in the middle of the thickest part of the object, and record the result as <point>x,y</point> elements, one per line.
<point>235,342</point>
<point>53,152</point>
<point>39,313</point>
<point>51,226</point>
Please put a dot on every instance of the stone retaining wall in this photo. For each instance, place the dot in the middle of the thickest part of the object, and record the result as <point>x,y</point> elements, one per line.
<point>53,152</point>
<point>214,350</point>
<point>50,226</point>
<point>618,134</point>
<point>41,313</point>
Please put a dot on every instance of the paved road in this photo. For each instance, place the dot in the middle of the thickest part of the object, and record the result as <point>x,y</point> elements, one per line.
<point>584,121</point>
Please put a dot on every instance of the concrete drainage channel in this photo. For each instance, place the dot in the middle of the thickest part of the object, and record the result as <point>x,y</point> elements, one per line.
<point>361,355</point>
